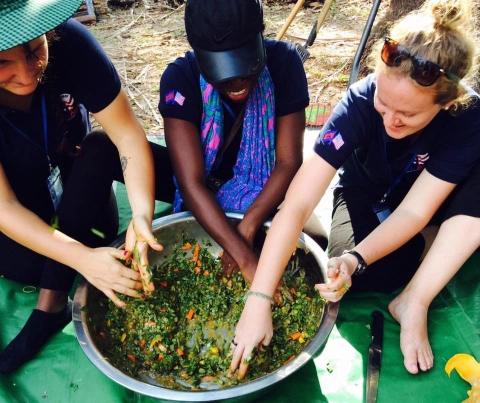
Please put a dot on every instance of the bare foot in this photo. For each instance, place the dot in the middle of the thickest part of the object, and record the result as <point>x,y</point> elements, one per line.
<point>412,317</point>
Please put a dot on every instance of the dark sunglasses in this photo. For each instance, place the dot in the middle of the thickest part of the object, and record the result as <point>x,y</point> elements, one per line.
<point>424,72</point>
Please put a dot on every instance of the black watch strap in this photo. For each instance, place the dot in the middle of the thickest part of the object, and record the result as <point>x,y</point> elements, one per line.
<point>361,266</point>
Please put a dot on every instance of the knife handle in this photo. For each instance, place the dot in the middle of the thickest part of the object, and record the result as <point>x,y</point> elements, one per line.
<point>377,330</point>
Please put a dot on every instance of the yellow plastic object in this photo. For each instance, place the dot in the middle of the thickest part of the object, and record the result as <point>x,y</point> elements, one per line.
<point>469,369</point>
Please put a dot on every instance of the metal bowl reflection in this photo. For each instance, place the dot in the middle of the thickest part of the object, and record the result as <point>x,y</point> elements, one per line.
<point>167,231</point>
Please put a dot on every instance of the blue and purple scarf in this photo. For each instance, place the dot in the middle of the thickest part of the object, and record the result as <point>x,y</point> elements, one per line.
<point>256,156</point>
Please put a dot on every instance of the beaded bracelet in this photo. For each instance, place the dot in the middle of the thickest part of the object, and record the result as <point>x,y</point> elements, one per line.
<point>259,294</point>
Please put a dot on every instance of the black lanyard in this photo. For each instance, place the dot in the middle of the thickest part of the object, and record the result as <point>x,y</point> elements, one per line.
<point>398,179</point>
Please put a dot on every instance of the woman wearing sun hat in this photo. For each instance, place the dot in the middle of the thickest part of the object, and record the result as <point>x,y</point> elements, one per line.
<point>407,139</point>
<point>55,180</point>
<point>234,119</point>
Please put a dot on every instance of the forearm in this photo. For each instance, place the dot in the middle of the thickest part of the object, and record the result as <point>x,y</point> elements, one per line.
<point>394,232</point>
<point>457,239</point>
<point>135,154</point>
<point>278,248</point>
<point>410,217</point>
<point>302,196</point>
<point>137,166</point>
<point>201,201</point>
<point>271,196</point>
<point>27,229</point>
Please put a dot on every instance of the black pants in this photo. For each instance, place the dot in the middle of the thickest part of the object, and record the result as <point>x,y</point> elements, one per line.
<point>87,203</point>
<point>353,219</point>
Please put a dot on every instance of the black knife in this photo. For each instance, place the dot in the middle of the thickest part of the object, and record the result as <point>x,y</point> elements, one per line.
<point>374,356</point>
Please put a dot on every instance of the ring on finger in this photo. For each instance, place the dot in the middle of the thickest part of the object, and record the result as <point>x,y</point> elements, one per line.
<point>345,288</point>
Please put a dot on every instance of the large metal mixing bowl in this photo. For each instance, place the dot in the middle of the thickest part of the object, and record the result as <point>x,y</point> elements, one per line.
<point>168,230</point>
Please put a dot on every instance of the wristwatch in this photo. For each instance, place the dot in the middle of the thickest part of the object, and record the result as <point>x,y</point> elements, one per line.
<point>361,266</point>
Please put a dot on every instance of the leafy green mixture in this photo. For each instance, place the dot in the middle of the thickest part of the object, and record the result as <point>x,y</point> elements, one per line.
<point>181,335</point>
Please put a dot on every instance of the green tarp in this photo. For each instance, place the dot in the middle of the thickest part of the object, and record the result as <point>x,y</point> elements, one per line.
<point>61,373</point>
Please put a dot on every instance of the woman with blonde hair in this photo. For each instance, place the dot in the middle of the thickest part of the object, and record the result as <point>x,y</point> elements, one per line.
<point>407,141</point>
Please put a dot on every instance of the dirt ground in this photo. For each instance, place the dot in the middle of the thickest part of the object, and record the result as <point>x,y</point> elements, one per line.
<point>142,40</point>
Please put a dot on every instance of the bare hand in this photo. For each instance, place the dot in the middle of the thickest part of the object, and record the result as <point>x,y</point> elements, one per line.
<point>247,267</point>
<point>253,329</point>
<point>339,280</point>
<point>228,264</point>
<point>139,236</point>
<point>104,270</point>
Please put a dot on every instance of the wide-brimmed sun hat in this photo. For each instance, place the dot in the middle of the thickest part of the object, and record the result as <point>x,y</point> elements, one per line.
<point>24,20</point>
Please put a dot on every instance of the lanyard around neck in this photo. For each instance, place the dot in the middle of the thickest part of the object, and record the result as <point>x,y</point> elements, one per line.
<point>45,125</point>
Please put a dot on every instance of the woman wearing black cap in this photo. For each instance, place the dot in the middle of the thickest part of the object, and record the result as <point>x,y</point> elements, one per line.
<point>48,83</point>
<point>234,121</point>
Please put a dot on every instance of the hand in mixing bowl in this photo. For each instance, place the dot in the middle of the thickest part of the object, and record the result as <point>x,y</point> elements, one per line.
<point>253,329</point>
<point>139,237</point>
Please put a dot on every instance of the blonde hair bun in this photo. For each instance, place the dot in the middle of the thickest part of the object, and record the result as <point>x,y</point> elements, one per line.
<point>450,14</point>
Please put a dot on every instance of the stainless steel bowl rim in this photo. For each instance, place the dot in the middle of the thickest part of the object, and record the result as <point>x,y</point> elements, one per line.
<point>96,357</point>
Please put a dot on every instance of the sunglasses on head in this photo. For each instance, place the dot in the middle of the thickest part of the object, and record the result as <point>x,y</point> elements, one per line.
<point>424,72</point>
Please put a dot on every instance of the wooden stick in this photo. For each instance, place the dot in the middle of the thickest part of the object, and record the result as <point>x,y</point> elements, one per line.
<point>323,13</point>
<point>293,13</point>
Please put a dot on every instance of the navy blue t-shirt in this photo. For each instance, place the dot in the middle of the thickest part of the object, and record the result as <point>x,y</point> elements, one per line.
<point>79,78</point>
<point>182,79</point>
<point>354,139</point>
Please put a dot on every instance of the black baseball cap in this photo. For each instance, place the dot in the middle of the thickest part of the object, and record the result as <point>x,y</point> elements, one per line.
<point>226,37</point>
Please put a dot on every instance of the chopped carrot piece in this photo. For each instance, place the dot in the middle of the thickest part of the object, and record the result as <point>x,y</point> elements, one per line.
<point>131,357</point>
<point>197,270</point>
<point>296,335</point>
<point>196,251</point>
<point>206,273</point>
<point>187,246</point>
<point>180,352</point>
<point>190,314</point>
<point>289,359</point>
<point>141,343</point>
<point>160,357</point>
